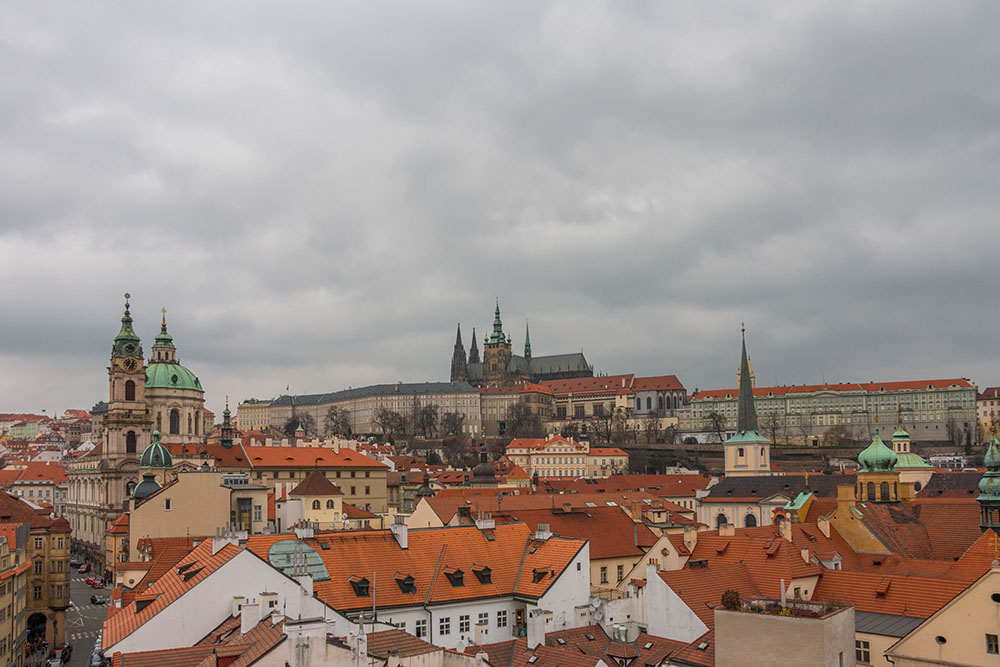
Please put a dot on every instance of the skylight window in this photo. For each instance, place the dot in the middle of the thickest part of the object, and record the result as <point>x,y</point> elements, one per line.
<point>456,577</point>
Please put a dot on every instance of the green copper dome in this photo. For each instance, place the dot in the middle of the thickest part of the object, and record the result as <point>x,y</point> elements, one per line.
<point>877,457</point>
<point>170,375</point>
<point>156,455</point>
<point>900,434</point>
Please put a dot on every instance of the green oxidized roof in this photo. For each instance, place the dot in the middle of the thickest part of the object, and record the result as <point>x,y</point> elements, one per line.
<point>127,341</point>
<point>910,460</point>
<point>900,434</point>
<point>989,485</point>
<point>156,455</point>
<point>876,457</point>
<point>497,335</point>
<point>164,339</point>
<point>171,375</point>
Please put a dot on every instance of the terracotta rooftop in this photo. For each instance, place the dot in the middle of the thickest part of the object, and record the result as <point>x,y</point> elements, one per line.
<point>316,484</point>
<point>661,485</point>
<point>887,594</point>
<point>518,564</point>
<point>611,532</point>
<point>515,653</point>
<point>937,530</point>
<point>701,589</point>
<point>870,387</point>
<point>593,641</point>
<point>407,646</point>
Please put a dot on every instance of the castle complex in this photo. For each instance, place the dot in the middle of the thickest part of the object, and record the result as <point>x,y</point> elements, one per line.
<point>500,367</point>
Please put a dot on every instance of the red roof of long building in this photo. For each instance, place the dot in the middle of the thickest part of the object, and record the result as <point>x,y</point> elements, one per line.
<point>870,387</point>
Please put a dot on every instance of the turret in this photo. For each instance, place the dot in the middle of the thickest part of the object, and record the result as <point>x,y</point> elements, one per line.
<point>227,427</point>
<point>989,487</point>
<point>527,342</point>
<point>459,365</point>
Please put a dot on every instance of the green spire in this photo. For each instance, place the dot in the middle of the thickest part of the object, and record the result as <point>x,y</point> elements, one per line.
<point>527,342</point>
<point>746,419</point>
<point>497,335</point>
<point>163,339</point>
<point>127,342</point>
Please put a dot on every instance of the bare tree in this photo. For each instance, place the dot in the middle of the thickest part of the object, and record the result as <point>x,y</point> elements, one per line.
<point>338,421</point>
<point>426,421</point>
<point>522,422</point>
<point>838,435</point>
<point>570,431</point>
<point>452,423</point>
<point>620,431</point>
<point>603,424</point>
<point>651,425</point>
<point>805,427</point>
<point>771,422</point>
<point>954,431</point>
<point>716,423</point>
<point>390,422</point>
<point>305,420</point>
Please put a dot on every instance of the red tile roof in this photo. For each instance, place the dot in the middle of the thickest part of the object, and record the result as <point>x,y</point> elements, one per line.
<point>593,641</point>
<point>515,653</point>
<point>591,385</point>
<point>937,529</point>
<point>666,486</point>
<point>918,597</point>
<point>316,484</point>
<point>873,387</point>
<point>612,533</point>
<point>701,589</point>
<point>39,472</point>
<point>512,555</point>
<point>168,588</point>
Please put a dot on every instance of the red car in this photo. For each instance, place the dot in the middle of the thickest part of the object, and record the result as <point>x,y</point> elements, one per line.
<point>84,569</point>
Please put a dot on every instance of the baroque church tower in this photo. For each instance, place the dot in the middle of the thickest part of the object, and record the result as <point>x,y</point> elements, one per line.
<point>459,365</point>
<point>128,427</point>
<point>496,353</point>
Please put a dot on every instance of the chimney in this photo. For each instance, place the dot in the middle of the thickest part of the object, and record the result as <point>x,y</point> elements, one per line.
<point>785,528</point>
<point>484,521</point>
<point>399,531</point>
<point>690,537</point>
<point>727,530</point>
<point>249,617</point>
<point>543,533</point>
<point>238,602</point>
<point>823,523</point>
<point>536,628</point>
<point>304,531</point>
<point>652,567</point>
<point>805,554</point>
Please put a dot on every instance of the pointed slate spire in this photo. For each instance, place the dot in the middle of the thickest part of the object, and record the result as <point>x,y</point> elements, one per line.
<point>459,366</point>
<point>458,336</point>
<point>497,336</point>
<point>527,342</point>
<point>226,439</point>
<point>746,419</point>
<point>474,349</point>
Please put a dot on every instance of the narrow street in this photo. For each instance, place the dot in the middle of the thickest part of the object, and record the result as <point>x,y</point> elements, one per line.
<point>83,619</point>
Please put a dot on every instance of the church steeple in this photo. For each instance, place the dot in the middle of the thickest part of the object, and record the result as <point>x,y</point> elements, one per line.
<point>459,366</point>
<point>989,487</point>
<point>746,414</point>
<point>497,335</point>
<point>474,349</point>
<point>527,342</point>
<point>126,343</point>
<point>163,348</point>
<point>226,439</point>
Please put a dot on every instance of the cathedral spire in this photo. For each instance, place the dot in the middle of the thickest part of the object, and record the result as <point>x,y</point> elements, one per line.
<point>459,365</point>
<point>746,419</point>
<point>497,336</point>
<point>527,342</point>
<point>226,439</point>
<point>474,349</point>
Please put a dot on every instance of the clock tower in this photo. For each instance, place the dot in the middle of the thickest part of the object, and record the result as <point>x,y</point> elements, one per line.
<point>128,425</point>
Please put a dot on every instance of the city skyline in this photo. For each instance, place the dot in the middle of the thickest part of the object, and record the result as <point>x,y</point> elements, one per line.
<point>318,196</point>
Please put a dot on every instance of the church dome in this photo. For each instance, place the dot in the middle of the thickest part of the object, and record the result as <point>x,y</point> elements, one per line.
<point>877,457</point>
<point>900,434</point>
<point>484,474</point>
<point>167,375</point>
<point>989,485</point>
<point>147,487</point>
<point>156,455</point>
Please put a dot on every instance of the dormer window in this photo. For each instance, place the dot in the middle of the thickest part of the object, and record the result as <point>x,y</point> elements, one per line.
<point>483,574</point>
<point>456,577</point>
<point>361,586</point>
<point>538,575</point>
<point>406,584</point>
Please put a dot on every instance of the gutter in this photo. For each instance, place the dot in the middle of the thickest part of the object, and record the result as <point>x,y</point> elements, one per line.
<point>430,614</point>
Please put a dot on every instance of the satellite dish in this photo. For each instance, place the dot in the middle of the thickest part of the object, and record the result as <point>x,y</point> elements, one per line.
<point>343,516</point>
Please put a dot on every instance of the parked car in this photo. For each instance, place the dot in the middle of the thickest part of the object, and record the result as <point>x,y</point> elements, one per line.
<point>97,599</point>
<point>96,660</point>
<point>73,562</point>
<point>55,662</point>
<point>89,581</point>
<point>97,583</point>
<point>62,652</point>
<point>84,569</point>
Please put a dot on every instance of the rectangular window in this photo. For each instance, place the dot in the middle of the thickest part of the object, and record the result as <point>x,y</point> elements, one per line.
<point>166,504</point>
<point>38,568</point>
<point>368,490</point>
<point>257,512</point>
<point>444,626</point>
<point>484,618</point>
<point>421,627</point>
<point>37,592</point>
<point>38,543</point>
<point>862,651</point>
<point>354,490</point>
<point>992,646</point>
<point>604,574</point>
<point>59,543</point>
<point>463,623</point>
<point>502,618</point>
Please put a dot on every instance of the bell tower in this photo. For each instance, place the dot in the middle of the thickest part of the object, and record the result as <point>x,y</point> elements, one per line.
<point>128,426</point>
<point>496,353</point>
<point>747,452</point>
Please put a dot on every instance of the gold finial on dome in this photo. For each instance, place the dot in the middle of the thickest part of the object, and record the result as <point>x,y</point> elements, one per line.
<point>163,322</point>
<point>127,297</point>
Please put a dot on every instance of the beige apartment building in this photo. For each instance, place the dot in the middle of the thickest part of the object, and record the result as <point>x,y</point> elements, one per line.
<point>556,456</point>
<point>495,402</point>
<point>932,410</point>
<point>253,414</point>
<point>198,503</point>
<point>361,405</point>
<point>14,567</point>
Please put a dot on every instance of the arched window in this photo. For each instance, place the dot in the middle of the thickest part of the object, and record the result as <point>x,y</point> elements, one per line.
<point>762,456</point>
<point>329,505</point>
<point>721,520</point>
<point>315,504</point>
<point>884,491</point>
<point>129,390</point>
<point>871,491</point>
<point>750,521</point>
<point>175,421</point>
<point>740,453</point>
<point>189,422</point>
<point>196,421</point>
<point>659,401</point>
<point>130,445</point>
<point>638,404</point>
<point>649,402</point>
<point>159,421</point>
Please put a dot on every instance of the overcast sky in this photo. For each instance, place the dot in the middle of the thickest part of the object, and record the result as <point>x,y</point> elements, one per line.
<point>319,192</point>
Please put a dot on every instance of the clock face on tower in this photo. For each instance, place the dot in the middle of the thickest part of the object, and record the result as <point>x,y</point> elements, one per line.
<point>130,364</point>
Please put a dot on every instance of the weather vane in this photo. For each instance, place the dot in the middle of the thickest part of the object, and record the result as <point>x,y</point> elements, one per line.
<point>164,320</point>
<point>127,297</point>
